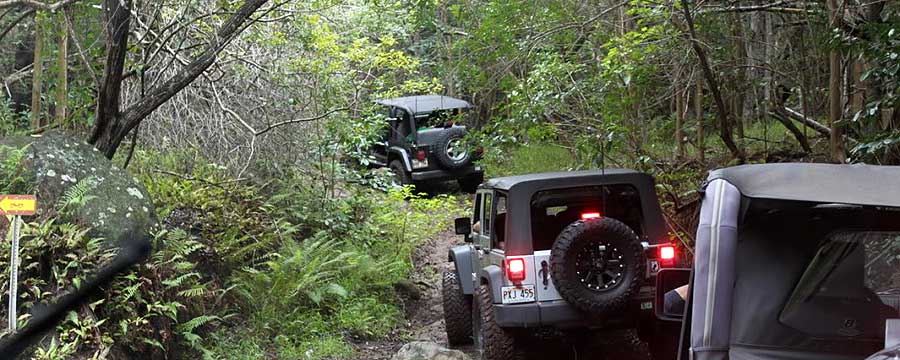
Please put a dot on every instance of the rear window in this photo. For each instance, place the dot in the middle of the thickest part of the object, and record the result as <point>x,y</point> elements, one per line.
<point>553,210</point>
<point>849,288</point>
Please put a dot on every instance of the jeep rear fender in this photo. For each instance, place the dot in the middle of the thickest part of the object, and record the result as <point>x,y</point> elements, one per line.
<point>461,256</point>
<point>396,152</point>
<point>492,276</point>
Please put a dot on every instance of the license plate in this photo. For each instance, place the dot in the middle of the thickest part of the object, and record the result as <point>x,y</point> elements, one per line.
<point>517,294</point>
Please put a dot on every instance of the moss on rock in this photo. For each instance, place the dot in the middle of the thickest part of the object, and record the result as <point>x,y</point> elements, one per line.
<point>117,205</point>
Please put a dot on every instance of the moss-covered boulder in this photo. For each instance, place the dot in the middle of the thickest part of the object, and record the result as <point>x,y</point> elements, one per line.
<point>101,195</point>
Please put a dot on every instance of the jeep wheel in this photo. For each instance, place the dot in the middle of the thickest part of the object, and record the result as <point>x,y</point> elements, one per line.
<point>457,311</point>
<point>494,342</point>
<point>451,150</point>
<point>597,265</point>
<point>401,177</point>
<point>469,184</point>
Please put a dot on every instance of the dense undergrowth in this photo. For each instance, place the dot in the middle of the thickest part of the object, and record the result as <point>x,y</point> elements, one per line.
<point>240,268</point>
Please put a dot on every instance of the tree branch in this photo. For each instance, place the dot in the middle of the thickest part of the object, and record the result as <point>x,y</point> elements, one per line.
<point>15,22</point>
<point>294,121</point>
<point>37,5</point>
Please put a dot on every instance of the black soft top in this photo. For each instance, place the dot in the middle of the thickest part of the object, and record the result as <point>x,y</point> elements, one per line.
<point>866,185</point>
<point>424,104</point>
<point>520,190</point>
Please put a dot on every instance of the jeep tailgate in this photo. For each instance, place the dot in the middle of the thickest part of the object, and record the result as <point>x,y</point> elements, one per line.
<point>544,282</point>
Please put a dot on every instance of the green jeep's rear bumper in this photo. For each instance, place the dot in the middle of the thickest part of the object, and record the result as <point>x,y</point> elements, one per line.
<point>443,175</point>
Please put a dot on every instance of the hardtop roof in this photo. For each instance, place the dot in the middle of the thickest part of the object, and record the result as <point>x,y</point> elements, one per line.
<point>423,104</point>
<point>856,184</point>
<point>506,183</point>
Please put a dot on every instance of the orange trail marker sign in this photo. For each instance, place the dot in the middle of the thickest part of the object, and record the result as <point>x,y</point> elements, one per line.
<point>22,205</point>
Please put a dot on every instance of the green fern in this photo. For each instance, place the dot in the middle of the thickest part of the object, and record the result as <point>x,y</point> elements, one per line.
<point>77,196</point>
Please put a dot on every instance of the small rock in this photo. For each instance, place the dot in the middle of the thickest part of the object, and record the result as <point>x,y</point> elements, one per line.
<point>423,350</point>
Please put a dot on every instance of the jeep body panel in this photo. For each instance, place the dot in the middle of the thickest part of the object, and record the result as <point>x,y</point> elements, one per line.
<point>463,257</point>
<point>493,276</point>
<point>544,288</point>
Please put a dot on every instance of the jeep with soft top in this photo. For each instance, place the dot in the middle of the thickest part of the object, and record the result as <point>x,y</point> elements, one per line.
<point>423,142</point>
<point>571,251</point>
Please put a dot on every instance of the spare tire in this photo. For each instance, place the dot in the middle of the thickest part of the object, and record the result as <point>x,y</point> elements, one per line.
<point>450,148</point>
<point>597,265</point>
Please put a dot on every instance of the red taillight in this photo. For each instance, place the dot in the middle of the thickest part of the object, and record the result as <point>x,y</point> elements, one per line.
<point>667,253</point>
<point>590,215</point>
<point>420,155</point>
<point>449,124</point>
<point>515,269</point>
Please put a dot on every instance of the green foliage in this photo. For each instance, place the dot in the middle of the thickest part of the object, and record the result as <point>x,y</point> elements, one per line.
<point>13,179</point>
<point>527,159</point>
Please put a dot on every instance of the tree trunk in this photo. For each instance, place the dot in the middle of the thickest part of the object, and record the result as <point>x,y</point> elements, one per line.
<point>62,87</point>
<point>38,73</point>
<point>112,126</point>
<point>679,117</point>
<point>721,110</point>
<point>698,114</point>
<point>835,112</point>
<point>107,122</point>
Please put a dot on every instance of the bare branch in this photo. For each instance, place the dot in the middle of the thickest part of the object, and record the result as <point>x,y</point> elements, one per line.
<point>37,5</point>
<point>294,121</point>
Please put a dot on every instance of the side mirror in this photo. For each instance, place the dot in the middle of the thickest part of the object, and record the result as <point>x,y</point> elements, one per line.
<point>666,281</point>
<point>463,226</point>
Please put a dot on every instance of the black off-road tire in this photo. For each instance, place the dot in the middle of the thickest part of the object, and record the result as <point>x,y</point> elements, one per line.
<point>457,311</point>
<point>495,342</point>
<point>469,184</point>
<point>442,145</point>
<point>400,173</point>
<point>574,239</point>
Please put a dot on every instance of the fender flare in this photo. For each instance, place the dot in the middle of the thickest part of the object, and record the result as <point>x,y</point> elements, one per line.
<point>402,154</point>
<point>492,275</point>
<point>461,257</point>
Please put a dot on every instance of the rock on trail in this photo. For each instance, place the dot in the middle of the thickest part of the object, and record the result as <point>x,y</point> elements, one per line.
<point>423,350</point>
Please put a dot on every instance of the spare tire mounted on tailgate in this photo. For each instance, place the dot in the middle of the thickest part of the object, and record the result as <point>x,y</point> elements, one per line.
<point>451,150</point>
<point>597,265</point>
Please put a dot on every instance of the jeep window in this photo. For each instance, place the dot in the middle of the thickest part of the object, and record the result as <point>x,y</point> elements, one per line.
<point>553,210</point>
<point>486,214</point>
<point>497,241</point>
<point>476,217</point>
<point>847,282</point>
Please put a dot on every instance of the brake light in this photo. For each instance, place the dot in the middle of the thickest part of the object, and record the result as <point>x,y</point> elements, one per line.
<point>667,253</point>
<point>515,269</point>
<point>590,215</point>
<point>420,155</point>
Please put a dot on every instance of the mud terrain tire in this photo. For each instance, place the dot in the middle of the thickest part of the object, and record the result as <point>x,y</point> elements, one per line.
<point>400,175</point>
<point>448,144</point>
<point>457,311</point>
<point>495,342</point>
<point>627,267</point>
